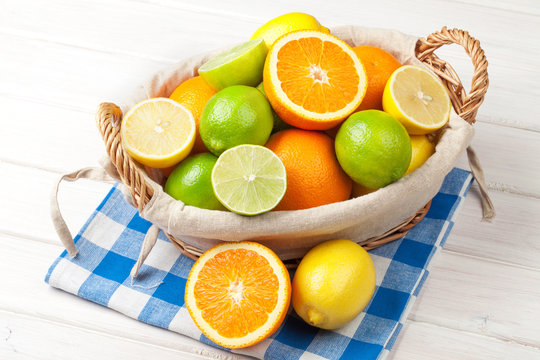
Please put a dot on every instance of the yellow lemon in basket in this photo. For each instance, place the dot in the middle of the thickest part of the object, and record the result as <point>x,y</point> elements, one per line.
<point>158,132</point>
<point>418,99</point>
<point>333,283</point>
<point>422,149</point>
<point>285,24</point>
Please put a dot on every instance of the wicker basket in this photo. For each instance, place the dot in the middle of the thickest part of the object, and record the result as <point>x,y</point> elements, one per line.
<point>466,106</point>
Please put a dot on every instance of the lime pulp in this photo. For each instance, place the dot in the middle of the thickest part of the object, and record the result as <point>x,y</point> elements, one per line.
<point>249,179</point>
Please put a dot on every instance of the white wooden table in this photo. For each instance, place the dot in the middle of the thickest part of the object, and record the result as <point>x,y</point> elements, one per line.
<point>60,59</point>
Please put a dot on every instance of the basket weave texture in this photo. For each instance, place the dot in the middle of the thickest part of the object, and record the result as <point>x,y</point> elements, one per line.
<point>109,117</point>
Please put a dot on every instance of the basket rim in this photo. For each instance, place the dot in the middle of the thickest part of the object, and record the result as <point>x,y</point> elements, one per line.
<point>143,190</point>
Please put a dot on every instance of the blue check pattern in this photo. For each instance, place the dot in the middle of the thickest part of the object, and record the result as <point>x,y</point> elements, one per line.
<point>109,245</point>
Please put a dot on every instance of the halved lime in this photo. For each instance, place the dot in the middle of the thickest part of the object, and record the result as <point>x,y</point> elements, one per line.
<point>249,179</point>
<point>241,65</point>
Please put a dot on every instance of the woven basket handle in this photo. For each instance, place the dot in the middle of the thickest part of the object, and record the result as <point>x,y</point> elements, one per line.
<point>465,105</point>
<point>108,119</point>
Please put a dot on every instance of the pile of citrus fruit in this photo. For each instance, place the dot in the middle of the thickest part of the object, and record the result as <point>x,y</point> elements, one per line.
<point>292,119</point>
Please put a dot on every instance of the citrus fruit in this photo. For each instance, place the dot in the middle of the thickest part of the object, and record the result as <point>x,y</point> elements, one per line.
<point>278,123</point>
<point>379,65</point>
<point>285,24</point>
<point>235,115</point>
<point>313,80</point>
<point>418,99</point>
<point>314,177</point>
<point>194,93</point>
<point>373,148</point>
<point>422,149</point>
<point>238,293</point>
<point>359,190</point>
<point>249,179</point>
<point>333,283</point>
<point>241,65</point>
<point>191,182</point>
<point>158,132</point>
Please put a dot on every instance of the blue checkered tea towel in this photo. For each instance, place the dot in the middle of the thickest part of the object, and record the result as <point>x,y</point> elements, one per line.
<point>109,245</point>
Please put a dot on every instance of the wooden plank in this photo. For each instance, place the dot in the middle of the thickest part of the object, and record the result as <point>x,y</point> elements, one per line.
<point>510,165</point>
<point>422,341</point>
<point>161,33</point>
<point>72,77</point>
<point>54,314</point>
<point>528,7</point>
<point>512,236</point>
<point>484,297</point>
<point>28,191</point>
<point>55,138</point>
<point>25,337</point>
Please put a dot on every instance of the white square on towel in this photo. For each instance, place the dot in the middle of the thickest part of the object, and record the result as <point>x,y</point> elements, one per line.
<point>104,232</point>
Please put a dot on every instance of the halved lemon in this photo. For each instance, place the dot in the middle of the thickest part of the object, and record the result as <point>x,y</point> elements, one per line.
<point>313,80</point>
<point>238,293</point>
<point>418,99</point>
<point>158,132</point>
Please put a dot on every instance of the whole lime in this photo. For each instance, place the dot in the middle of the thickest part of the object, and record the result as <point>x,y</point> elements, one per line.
<point>373,148</point>
<point>236,115</point>
<point>191,182</point>
<point>333,283</point>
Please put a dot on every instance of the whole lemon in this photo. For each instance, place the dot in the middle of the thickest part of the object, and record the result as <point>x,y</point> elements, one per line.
<point>285,24</point>
<point>422,149</point>
<point>333,283</point>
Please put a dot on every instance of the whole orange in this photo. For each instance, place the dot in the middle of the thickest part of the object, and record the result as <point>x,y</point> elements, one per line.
<point>194,93</point>
<point>314,176</point>
<point>379,65</point>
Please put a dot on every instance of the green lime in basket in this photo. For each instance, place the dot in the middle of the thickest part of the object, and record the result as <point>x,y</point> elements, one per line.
<point>234,116</point>
<point>249,179</point>
<point>191,182</point>
<point>373,148</point>
<point>241,65</point>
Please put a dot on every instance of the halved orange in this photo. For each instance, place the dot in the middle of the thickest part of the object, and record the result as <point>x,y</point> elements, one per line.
<point>238,293</point>
<point>313,80</point>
